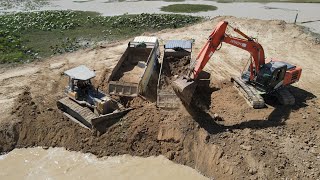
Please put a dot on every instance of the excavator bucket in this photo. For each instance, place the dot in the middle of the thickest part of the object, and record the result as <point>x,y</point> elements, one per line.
<point>184,89</point>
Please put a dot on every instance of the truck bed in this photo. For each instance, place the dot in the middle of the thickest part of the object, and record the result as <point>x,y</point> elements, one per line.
<point>173,65</point>
<point>133,65</point>
<point>132,73</point>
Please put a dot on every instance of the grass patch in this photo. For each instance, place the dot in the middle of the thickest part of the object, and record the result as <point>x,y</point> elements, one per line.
<point>188,8</point>
<point>33,35</point>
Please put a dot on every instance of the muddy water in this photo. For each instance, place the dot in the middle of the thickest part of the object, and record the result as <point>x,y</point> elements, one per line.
<point>57,163</point>
<point>269,11</point>
<point>266,11</point>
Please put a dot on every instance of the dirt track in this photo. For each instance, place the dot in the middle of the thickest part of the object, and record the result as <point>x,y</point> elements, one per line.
<point>272,143</point>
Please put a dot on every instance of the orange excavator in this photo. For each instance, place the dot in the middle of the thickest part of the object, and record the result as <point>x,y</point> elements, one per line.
<point>264,76</point>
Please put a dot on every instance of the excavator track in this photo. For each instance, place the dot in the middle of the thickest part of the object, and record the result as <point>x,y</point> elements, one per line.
<point>82,114</point>
<point>285,97</point>
<point>251,95</point>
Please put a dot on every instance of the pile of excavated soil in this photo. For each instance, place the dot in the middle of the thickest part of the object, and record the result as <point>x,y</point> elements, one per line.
<point>132,75</point>
<point>172,68</point>
<point>242,145</point>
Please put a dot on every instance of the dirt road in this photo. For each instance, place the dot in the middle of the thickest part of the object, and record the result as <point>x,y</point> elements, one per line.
<point>271,143</point>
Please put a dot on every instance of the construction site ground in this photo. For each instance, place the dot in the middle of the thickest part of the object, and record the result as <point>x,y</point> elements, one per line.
<point>230,140</point>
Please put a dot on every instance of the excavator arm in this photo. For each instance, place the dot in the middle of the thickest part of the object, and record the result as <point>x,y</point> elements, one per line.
<point>264,77</point>
<point>185,86</point>
<point>218,36</point>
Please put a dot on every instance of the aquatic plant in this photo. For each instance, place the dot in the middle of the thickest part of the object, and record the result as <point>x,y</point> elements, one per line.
<point>188,8</point>
<point>50,32</point>
<point>11,48</point>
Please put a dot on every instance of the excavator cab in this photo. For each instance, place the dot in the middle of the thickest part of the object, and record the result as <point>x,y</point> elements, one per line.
<point>271,76</point>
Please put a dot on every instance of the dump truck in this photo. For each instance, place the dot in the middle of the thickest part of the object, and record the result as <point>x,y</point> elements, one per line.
<point>85,104</point>
<point>177,55</point>
<point>132,73</point>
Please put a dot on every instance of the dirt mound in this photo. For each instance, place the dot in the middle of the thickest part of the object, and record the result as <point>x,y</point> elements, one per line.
<point>172,68</point>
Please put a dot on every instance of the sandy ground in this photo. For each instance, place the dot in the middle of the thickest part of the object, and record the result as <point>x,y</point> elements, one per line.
<point>271,143</point>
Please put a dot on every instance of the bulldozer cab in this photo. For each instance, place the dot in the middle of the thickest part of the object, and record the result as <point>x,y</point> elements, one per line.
<point>271,75</point>
<point>79,82</point>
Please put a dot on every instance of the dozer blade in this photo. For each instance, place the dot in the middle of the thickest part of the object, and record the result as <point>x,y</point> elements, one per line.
<point>184,89</point>
<point>83,115</point>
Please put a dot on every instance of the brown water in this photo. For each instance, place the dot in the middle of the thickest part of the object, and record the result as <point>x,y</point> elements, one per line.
<point>58,163</point>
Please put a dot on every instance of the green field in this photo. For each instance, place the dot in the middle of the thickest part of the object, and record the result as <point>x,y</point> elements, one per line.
<point>188,8</point>
<point>34,35</point>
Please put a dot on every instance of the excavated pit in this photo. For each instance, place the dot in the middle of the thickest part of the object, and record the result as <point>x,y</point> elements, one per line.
<point>187,136</point>
<point>237,147</point>
<point>144,131</point>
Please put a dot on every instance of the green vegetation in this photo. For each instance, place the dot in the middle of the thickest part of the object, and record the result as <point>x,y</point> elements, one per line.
<point>188,8</point>
<point>28,36</point>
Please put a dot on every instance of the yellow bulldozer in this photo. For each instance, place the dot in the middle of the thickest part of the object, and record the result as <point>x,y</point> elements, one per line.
<point>85,104</point>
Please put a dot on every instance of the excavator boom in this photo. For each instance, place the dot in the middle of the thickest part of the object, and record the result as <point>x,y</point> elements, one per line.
<point>214,40</point>
<point>217,37</point>
<point>185,86</point>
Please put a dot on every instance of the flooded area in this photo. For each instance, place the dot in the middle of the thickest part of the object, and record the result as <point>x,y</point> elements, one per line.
<point>265,11</point>
<point>58,163</point>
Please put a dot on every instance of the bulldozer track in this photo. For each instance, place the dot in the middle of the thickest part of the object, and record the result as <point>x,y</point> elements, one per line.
<point>82,114</point>
<point>251,95</point>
